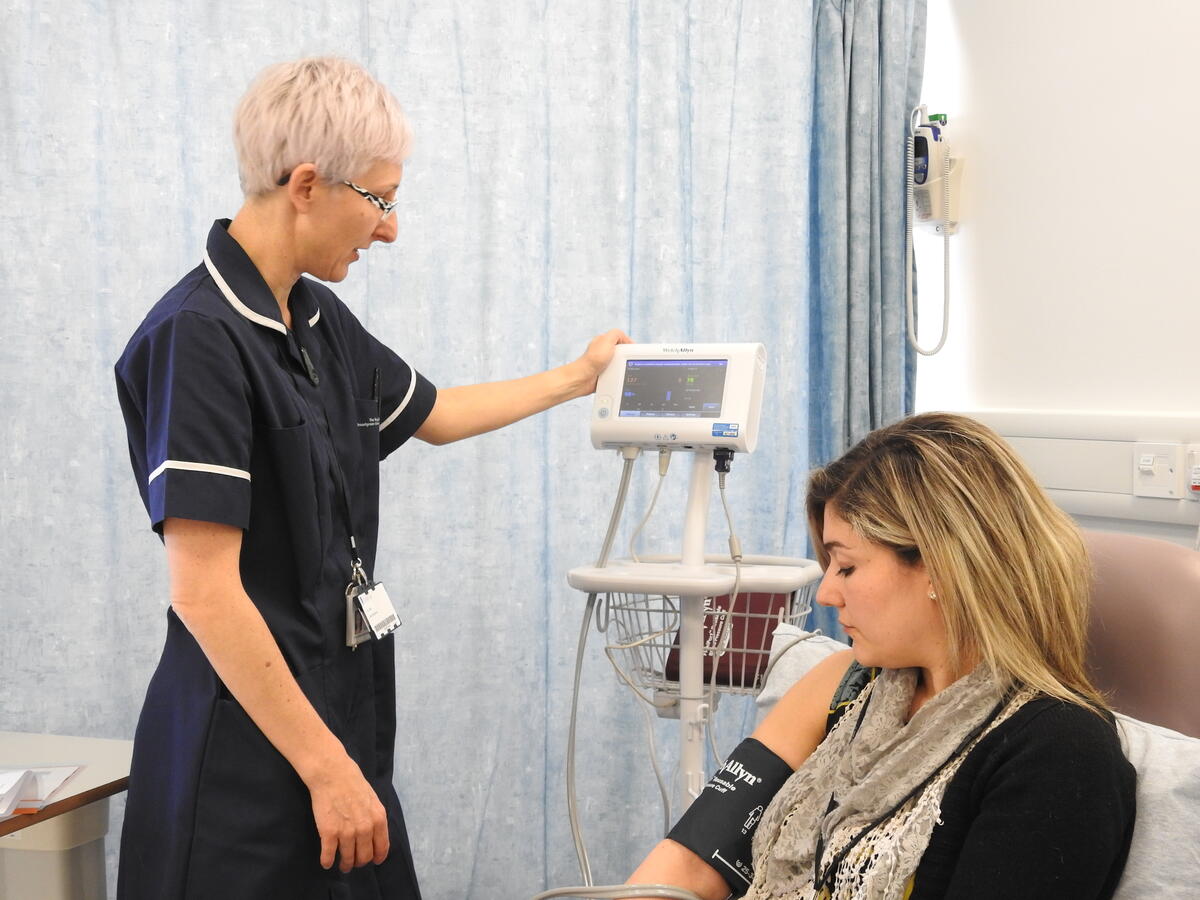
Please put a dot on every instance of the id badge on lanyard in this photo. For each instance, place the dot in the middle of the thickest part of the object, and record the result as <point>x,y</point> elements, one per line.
<point>369,610</point>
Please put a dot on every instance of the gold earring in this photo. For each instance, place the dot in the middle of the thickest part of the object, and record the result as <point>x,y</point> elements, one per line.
<point>932,595</point>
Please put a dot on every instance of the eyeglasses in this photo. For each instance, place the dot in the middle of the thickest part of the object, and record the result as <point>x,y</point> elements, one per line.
<point>385,208</point>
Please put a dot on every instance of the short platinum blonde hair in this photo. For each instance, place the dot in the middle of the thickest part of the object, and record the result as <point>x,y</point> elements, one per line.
<point>1009,569</point>
<point>322,110</point>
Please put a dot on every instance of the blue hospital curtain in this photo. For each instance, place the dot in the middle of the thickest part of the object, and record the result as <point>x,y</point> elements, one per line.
<point>688,170</point>
<point>868,58</point>
<point>867,70</point>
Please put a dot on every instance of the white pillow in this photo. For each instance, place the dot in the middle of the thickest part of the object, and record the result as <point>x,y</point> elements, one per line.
<point>1164,859</point>
<point>793,652</point>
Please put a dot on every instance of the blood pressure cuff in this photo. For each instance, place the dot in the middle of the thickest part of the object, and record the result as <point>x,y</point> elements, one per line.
<point>720,824</point>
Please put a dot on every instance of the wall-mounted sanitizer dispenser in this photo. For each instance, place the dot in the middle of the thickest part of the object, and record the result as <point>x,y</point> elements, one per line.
<point>680,397</point>
<point>936,173</point>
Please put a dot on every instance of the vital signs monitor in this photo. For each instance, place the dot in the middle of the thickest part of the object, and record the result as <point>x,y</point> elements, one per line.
<point>680,396</point>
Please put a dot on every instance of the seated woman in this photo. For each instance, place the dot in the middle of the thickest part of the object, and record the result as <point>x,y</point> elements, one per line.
<point>977,760</point>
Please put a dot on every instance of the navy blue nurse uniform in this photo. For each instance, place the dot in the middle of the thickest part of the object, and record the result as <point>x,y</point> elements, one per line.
<point>234,418</point>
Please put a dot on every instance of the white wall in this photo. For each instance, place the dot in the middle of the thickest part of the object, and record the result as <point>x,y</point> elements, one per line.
<point>1073,281</point>
<point>1075,310</point>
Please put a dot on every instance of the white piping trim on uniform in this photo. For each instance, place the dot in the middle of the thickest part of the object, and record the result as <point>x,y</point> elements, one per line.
<point>197,467</point>
<point>238,304</point>
<point>313,321</point>
<point>412,386</point>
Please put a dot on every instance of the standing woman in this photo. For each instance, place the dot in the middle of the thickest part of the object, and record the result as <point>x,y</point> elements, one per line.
<point>257,409</point>
<point>958,751</point>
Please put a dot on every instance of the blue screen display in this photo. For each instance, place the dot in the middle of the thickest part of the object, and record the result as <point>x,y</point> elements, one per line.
<point>674,388</point>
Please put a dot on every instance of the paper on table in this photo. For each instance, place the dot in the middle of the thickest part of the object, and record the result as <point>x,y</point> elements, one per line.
<point>31,788</point>
<point>14,784</point>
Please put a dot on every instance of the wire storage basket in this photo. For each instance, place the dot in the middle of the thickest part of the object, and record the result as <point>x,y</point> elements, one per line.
<point>643,633</point>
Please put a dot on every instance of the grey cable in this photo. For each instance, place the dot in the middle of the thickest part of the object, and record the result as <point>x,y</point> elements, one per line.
<point>585,866</point>
<point>735,554</point>
<point>648,703</point>
<point>663,794</point>
<point>588,890</point>
<point>629,454</point>
<point>664,462</point>
<point>617,891</point>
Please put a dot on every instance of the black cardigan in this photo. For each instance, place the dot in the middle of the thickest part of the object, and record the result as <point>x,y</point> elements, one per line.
<point>1042,807</point>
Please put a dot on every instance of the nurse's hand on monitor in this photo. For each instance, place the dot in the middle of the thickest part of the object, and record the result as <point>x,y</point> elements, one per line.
<point>598,355</point>
<point>465,411</point>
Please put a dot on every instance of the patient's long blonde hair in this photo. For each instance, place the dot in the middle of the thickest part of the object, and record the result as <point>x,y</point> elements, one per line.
<point>1010,571</point>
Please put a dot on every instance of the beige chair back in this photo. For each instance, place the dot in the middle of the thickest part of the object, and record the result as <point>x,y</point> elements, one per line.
<point>1144,638</point>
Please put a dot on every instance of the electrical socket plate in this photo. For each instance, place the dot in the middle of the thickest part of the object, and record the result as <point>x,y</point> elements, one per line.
<point>1158,471</point>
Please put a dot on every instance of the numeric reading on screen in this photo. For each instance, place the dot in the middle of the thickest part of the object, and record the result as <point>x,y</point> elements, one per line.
<point>673,388</point>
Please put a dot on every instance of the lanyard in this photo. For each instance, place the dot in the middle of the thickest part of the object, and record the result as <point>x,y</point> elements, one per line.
<point>358,574</point>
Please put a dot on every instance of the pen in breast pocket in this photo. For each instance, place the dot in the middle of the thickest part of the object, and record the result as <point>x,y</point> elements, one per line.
<point>375,394</point>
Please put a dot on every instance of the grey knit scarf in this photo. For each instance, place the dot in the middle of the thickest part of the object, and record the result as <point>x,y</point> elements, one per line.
<point>854,820</point>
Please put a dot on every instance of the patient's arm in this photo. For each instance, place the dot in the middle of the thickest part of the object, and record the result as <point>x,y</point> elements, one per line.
<point>676,865</point>
<point>792,730</point>
<point>797,723</point>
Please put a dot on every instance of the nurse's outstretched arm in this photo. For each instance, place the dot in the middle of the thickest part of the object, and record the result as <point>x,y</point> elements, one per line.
<point>208,597</point>
<point>792,731</point>
<point>461,412</point>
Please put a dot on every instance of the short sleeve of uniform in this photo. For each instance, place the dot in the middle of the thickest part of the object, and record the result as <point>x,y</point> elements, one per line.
<point>187,408</point>
<point>406,397</point>
<point>407,400</point>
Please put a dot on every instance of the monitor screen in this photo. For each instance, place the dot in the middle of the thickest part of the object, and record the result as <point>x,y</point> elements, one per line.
<point>673,388</point>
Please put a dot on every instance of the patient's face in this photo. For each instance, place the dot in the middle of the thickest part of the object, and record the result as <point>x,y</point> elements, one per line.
<point>882,601</point>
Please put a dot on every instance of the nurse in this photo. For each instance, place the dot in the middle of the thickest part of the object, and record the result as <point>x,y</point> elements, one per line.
<point>257,409</point>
